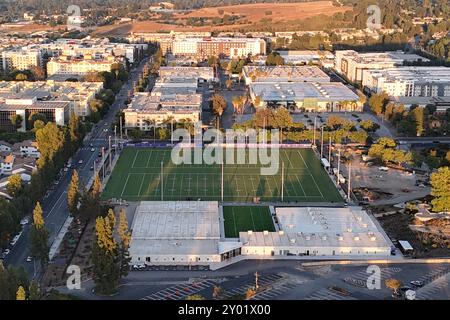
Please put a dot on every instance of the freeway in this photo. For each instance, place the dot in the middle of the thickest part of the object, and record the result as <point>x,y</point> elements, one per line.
<point>55,205</point>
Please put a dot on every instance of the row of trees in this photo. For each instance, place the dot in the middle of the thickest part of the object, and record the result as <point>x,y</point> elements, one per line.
<point>338,129</point>
<point>417,121</point>
<point>385,150</point>
<point>15,285</point>
<point>56,145</point>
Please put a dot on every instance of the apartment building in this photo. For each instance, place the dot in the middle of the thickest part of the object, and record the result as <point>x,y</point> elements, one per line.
<point>77,94</point>
<point>409,81</point>
<point>227,47</point>
<point>147,111</point>
<point>79,66</point>
<point>20,59</point>
<point>352,64</point>
<point>54,111</point>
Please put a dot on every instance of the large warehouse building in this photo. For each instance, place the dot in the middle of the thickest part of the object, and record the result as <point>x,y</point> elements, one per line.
<point>306,231</point>
<point>191,233</point>
<point>181,233</point>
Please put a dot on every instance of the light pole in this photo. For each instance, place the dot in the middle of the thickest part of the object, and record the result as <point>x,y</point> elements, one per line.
<point>321,144</point>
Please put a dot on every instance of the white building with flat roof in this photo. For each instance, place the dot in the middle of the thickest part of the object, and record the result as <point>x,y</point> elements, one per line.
<point>409,81</point>
<point>352,64</point>
<point>307,231</point>
<point>272,74</point>
<point>181,233</point>
<point>148,110</point>
<point>306,96</point>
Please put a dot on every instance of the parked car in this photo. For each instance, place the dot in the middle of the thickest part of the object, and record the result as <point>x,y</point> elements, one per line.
<point>417,283</point>
<point>92,149</point>
<point>80,161</point>
<point>24,221</point>
<point>29,259</point>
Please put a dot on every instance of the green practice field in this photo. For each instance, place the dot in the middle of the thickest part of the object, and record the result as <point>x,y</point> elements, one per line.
<point>137,177</point>
<point>243,219</point>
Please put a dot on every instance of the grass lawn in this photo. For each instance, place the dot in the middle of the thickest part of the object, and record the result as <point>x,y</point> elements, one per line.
<point>237,219</point>
<point>137,177</point>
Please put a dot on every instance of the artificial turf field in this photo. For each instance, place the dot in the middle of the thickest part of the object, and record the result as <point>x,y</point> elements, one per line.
<point>137,177</point>
<point>243,219</point>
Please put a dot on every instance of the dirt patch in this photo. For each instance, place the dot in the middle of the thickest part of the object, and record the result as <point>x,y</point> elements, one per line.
<point>397,226</point>
<point>245,15</point>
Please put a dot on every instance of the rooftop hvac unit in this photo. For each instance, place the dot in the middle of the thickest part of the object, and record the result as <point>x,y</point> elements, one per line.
<point>341,238</point>
<point>281,233</point>
<point>249,232</point>
<point>365,225</point>
<point>359,218</point>
<point>290,226</point>
<point>324,238</point>
<point>349,230</point>
<point>265,232</point>
<point>373,238</point>
<point>356,238</point>
<point>292,240</point>
<point>307,238</point>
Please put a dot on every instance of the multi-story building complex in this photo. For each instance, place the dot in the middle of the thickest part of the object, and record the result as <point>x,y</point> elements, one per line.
<point>20,59</point>
<point>352,64</point>
<point>228,47</point>
<point>409,81</point>
<point>147,111</point>
<point>302,57</point>
<point>54,111</point>
<point>77,94</point>
<point>79,66</point>
<point>174,98</point>
<point>202,74</point>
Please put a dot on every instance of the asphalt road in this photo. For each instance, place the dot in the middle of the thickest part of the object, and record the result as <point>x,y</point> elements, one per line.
<point>55,205</point>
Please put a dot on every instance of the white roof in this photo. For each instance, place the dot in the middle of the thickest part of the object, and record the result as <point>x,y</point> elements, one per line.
<point>320,227</point>
<point>176,228</point>
<point>405,245</point>
<point>176,220</point>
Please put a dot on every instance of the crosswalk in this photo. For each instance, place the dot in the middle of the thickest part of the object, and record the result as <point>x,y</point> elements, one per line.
<point>180,291</point>
<point>430,291</point>
<point>265,280</point>
<point>275,292</point>
<point>325,294</point>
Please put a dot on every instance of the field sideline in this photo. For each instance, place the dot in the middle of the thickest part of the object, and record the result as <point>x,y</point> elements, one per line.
<point>137,177</point>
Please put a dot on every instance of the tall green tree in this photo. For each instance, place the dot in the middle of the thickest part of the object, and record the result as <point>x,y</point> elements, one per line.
<point>124,245</point>
<point>440,184</point>
<point>106,272</point>
<point>38,242</point>
<point>14,187</point>
<point>73,193</point>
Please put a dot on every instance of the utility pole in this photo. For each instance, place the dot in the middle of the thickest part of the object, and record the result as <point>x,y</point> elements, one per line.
<point>321,144</point>
<point>338,165</point>
<point>120,127</point>
<point>349,182</point>
<point>256,280</point>
<point>103,162</point>
<point>115,139</point>
<point>282,181</point>
<point>110,154</point>
<point>162,181</point>
<point>329,151</point>
<point>221,185</point>
<point>314,131</point>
